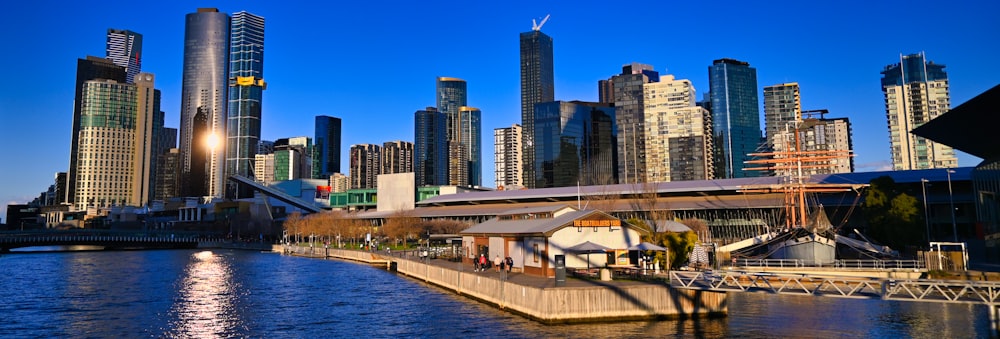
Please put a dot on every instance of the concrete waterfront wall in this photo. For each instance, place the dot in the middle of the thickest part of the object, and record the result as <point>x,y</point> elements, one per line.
<point>609,301</point>
<point>604,301</point>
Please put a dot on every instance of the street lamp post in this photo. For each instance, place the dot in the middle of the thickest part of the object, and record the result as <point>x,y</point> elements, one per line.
<point>951,202</point>
<point>927,222</point>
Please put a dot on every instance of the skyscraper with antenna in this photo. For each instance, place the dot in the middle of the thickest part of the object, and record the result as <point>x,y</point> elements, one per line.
<point>537,86</point>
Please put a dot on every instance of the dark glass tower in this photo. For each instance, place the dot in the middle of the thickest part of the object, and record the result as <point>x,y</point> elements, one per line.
<point>91,68</point>
<point>246,88</point>
<point>124,48</point>
<point>575,144</point>
<point>537,86</point>
<point>430,149</point>
<point>735,116</point>
<point>327,156</point>
<point>204,102</point>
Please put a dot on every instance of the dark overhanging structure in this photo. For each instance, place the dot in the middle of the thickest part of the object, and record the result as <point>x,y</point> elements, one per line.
<point>971,128</point>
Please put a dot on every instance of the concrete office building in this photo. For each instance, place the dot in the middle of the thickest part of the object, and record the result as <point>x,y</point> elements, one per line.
<point>507,157</point>
<point>678,138</point>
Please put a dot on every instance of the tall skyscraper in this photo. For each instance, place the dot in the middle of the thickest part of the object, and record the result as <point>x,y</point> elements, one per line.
<point>204,98</point>
<point>735,116</point>
<point>629,107</point>
<point>782,108</point>
<point>365,165</point>
<point>91,68</point>
<point>115,143</point>
<point>470,125</point>
<point>537,86</point>
<point>327,155</point>
<point>507,157</point>
<point>246,88</point>
<point>397,157</point>
<point>124,48</point>
<point>430,149</point>
<point>168,177</point>
<point>452,94</point>
<point>916,91</point>
<point>678,132</point>
<point>575,144</point>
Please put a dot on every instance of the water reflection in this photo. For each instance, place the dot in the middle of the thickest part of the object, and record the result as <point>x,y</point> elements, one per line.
<point>205,304</point>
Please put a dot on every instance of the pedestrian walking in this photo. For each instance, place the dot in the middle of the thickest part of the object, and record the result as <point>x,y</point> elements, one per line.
<point>496,263</point>
<point>482,262</point>
<point>510,263</point>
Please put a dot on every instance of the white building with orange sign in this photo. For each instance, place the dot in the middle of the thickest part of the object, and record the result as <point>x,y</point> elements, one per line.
<point>532,237</point>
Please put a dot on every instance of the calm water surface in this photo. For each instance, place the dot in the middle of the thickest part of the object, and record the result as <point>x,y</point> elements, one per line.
<point>181,293</point>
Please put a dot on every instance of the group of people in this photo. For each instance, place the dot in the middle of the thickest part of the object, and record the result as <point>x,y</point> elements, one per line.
<point>483,264</point>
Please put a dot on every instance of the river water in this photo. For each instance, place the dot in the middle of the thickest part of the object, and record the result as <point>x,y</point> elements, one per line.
<point>220,293</point>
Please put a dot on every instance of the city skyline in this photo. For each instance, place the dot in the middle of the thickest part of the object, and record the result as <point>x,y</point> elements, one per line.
<point>837,65</point>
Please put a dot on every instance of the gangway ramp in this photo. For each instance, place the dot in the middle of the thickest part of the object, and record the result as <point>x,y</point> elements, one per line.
<point>277,194</point>
<point>926,290</point>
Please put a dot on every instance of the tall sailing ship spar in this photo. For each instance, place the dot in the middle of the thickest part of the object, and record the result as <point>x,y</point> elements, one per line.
<point>807,234</point>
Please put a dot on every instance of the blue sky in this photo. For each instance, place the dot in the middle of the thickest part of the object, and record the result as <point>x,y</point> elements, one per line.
<point>373,63</point>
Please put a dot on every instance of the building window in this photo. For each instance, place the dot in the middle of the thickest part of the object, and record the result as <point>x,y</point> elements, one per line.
<point>535,251</point>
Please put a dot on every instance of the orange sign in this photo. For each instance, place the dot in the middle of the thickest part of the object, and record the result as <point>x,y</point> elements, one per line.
<point>597,223</point>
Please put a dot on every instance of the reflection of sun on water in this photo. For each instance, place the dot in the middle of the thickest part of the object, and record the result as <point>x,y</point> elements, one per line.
<point>205,307</point>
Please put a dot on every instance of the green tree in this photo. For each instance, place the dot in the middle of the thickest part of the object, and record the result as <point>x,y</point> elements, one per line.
<point>894,217</point>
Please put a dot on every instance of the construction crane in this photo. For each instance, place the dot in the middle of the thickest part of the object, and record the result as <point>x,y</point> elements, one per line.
<point>537,27</point>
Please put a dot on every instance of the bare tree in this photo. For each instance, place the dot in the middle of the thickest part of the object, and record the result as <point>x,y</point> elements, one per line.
<point>444,226</point>
<point>700,228</point>
<point>646,203</point>
<point>401,226</point>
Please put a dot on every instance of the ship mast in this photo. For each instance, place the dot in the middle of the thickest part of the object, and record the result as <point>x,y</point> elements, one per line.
<point>797,166</point>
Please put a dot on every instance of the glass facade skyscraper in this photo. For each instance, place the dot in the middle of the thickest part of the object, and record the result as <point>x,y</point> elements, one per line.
<point>629,102</point>
<point>916,91</point>
<point>735,116</point>
<point>537,86</point>
<point>327,155</point>
<point>204,102</point>
<point>452,96</point>
<point>430,147</point>
<point>246,87</point>
<point>575,144</point>
<point>124,48</point>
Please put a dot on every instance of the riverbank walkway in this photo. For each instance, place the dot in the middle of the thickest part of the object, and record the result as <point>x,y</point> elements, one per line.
<point>539,298</point>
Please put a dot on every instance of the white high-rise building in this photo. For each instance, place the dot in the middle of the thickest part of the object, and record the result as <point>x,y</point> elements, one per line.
<point>916,91</point>
<point>114,154</point>
<point>782,107</point>
<point>507,157</point>
<point>678,133</point>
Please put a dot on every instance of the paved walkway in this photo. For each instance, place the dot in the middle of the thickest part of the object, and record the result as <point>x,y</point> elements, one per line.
<point>518,277</point>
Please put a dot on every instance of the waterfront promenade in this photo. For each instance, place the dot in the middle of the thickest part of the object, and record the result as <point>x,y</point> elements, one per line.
<point>538,298</point>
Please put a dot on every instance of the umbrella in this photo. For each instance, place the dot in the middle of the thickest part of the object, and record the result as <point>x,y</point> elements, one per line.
<point>588,248</point>
<point>645,246</point>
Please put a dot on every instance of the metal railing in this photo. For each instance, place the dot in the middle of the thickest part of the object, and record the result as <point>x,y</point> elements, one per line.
<point>946,291</point>
<point>840,263</point>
